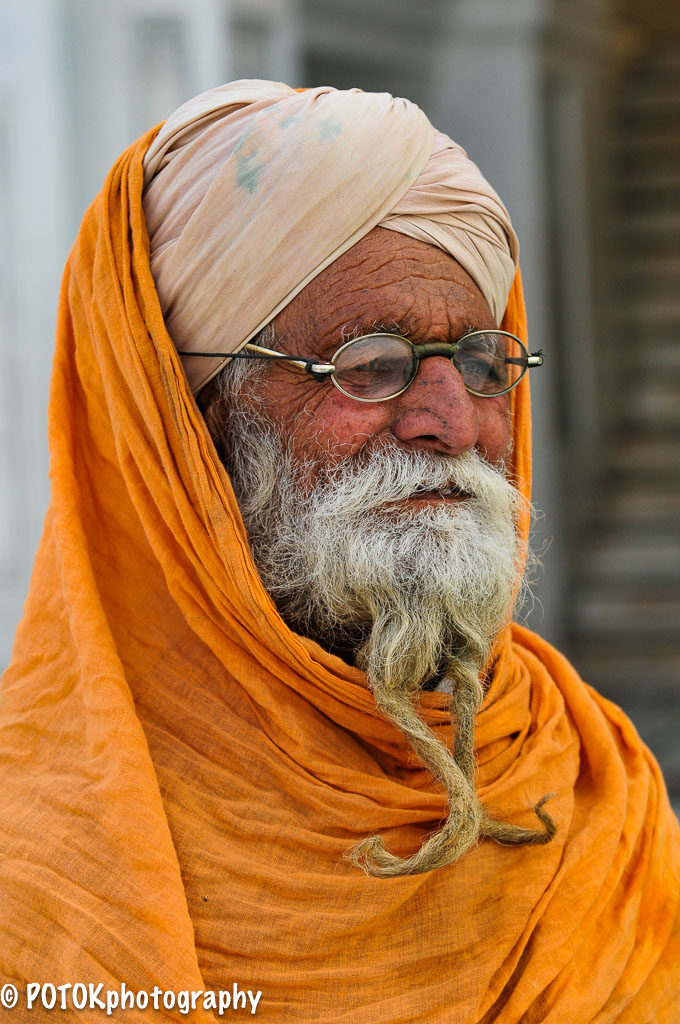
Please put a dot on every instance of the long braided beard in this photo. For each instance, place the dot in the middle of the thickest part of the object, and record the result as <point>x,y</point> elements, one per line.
<point>414,595</point>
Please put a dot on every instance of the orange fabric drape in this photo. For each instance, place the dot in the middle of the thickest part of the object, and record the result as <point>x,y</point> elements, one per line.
<point>181,775</point>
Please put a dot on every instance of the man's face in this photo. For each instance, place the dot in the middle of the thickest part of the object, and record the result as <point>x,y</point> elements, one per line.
<point>358,513</point>
<point>388,281</point>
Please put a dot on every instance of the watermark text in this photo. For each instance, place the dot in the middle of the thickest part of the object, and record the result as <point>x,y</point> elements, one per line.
<point>81,996</point>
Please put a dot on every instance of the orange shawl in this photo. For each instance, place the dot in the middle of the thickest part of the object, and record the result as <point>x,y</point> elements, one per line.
<point>182,775</point>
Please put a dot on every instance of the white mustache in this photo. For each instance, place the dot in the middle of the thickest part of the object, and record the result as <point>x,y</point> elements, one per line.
<point>389,474</point>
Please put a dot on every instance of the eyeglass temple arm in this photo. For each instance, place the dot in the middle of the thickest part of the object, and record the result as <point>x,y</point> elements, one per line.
<point>320,370</point>
<point>535,359</point>
<point>317,370</point>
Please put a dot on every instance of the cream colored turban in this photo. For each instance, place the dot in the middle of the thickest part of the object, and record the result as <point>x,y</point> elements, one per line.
<point>251,189</point>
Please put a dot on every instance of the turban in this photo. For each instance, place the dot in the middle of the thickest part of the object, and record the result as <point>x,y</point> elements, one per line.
<point>253,188</point>
<point>181,775</point>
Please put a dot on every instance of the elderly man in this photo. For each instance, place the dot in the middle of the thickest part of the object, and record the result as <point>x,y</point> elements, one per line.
<point>268,725</point>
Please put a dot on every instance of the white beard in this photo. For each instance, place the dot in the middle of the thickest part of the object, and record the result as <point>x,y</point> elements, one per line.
<point>411,594</point>
<point>402,590</point>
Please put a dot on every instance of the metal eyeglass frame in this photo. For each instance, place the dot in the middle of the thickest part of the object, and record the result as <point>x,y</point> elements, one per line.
<point>323,371</point>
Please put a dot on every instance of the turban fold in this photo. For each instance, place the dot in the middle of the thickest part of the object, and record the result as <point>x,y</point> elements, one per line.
<point>253,188</point>
<point>181,775</point>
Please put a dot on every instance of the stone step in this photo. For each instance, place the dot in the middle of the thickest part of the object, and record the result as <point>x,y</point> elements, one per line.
<point>659,662</point>
<point>647,243</point>
<point>624,493</point>
<point>654,409</point>
<point>628,477</point>
<point>650,158</point>
<point>649,122</point>
<point>647,202</point>
<point>646,140</point>
<point>631,288</point>
<point>642,509</point>
<point>653,377</point>
<point>651,181</point>
<point>641,345</point>
<point>648,102</point>
<point>643,202</point>
<point>637,196</point>
<point>654,73</point>
<point>650,455</point>
<point>649,358</point>
<point>643,613</point>
<point>647,84</point>
<point>645,275</point>
<point>652,369</point>
<point>652,403</point>
<point>639,560</point>
<point>648,223</point>
<point>662,313</point>
<point>664,354</point>
<point>624,532</point>
<point>633,534</point>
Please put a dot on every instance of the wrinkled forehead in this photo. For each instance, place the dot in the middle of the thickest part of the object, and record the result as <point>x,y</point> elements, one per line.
<point>385,282</point>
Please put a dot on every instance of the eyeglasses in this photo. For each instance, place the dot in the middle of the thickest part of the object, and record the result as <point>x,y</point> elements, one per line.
<point>377,367</point>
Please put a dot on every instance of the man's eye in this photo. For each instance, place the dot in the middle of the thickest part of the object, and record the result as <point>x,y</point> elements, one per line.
<point>380,366</point>
<point>369,366</point>
<point>482,366</point>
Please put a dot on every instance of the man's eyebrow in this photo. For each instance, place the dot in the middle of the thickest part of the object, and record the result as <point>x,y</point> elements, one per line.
<point>402,327</point>
<point>357,329</point>
<point>470,329</point>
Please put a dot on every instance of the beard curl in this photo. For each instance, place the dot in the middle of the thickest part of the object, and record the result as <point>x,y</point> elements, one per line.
<point>412,593</point>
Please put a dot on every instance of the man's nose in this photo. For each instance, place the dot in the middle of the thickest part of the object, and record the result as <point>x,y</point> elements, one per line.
<point>436,412</point>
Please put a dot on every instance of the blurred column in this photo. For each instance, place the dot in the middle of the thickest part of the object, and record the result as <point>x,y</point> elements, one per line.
<point>265,40</point>
<point>127,64</point>
<point>33,246</point>
<point>579,59</point>
<point>493,96</point>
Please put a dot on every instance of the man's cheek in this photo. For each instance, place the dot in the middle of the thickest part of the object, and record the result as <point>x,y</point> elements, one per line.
<point>344,425</point>
<point>494,429</point>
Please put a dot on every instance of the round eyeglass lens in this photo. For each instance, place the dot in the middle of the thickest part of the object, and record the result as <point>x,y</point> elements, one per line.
<point>490,363</point>
<point>375,367</point>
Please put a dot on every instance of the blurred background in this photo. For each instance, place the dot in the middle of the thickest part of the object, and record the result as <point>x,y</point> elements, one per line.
<point>572,110</point>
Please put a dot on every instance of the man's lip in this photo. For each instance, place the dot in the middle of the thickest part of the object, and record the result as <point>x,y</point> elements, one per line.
<point>455,495</point>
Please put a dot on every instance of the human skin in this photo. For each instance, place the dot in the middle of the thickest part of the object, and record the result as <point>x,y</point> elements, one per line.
<point>384,279</point>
